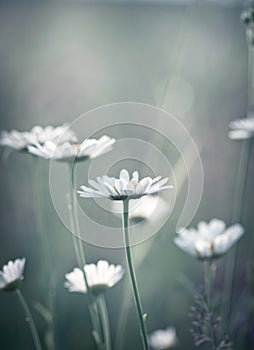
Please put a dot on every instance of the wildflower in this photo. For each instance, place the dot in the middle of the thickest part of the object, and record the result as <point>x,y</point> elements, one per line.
<point>19,141</point>
<point>247,16</point>
<point>150,208</point>
<point>100,277</point>
<point>241,129</point>
<point>12,275</point>
<point>210,240</point>
<point>67,151</point>
<point>124,187</point>
<point>163,339</point>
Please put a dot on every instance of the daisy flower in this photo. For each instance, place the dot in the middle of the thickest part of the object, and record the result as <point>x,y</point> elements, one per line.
<point>12,274</point>
<point>241,129</point>
<point>68,152</point>
<point>163,338</point>
<point>247,15</point>
<point>209,240</point>
<point>100,277</point>
<point>124,187</point>
<point>19,141</point>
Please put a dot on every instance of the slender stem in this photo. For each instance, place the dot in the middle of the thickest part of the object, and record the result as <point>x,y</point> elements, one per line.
<point>132,274</point>
<point>105,321</point>
<point>208,293</point>
<point>71,200</point>
<point>81,260</point>
<point>29,320</point>
<point>231,262</point>
<point>46,257</point>
<point>250,78</point>
<point>39,210</point>
<point>75,213</point>
<point>123,315</point>
<point>78,242</point>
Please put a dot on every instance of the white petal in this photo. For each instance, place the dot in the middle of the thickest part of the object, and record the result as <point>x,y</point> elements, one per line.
<point>240,134</point>
<point>124,175</point>
<point>135,176</point>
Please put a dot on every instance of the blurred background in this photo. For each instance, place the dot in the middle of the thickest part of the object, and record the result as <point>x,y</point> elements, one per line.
<point>60,59</point>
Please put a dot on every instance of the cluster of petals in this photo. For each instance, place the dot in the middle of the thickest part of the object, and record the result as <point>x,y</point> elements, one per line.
<point>12,274</point>
<point>241,129</point>
<point>67,151</point>
<point>210,240</point>
<point>19,141</point>
<point>163,338</point>
<point>100,277</point>
<point>124,187</point>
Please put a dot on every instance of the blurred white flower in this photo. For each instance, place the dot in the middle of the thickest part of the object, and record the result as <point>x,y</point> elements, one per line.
<point>12,274</point>
<point>67,152</point>
<point>100,277</point>
<point>20,140</point>
<point>150,208</point>
<point>163,338</point>
<point>241,129</point>
<point>210,240</point>
<point>124,187</point>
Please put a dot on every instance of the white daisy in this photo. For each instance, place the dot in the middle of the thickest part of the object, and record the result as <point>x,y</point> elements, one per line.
<point>67,152</point>
<point>210,240</point>
<point>247,15</point>
<point>150,208</point>
<point>100,277</point>
<point>12,274</point>
<point>163,339</point>
<point>241,129</point>
<point>124,187</point>
<point>20,140</point>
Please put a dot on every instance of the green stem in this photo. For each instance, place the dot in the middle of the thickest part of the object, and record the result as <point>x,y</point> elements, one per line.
<point>105,321</point>
<point>30,321</point>
<point>250,79</point>
<point>208,292</point>
<point>123,315</point>
<point>230,268</point>
<point>73,224</point>
<point>132,274</point>
<point>45,250</point>
<point>74,210</point>
<point>81,260</point>
<point>39,210</point>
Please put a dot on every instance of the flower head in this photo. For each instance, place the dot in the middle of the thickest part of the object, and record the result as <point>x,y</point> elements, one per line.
<point>163,339</point>
<point>124,187</point>
<point>241,129</point>
<point>12,274</point>
<point>67,152</point>
<point>19,141</point>
<point>247,15</point>
<point>149,208</point>
<point>210,240</point>
<point>100,277</point>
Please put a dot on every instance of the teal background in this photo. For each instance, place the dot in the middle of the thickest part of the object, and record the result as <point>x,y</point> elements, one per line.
<point>61,59</point>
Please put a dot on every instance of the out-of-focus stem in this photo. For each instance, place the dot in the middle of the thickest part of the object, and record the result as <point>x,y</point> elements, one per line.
<point>29,320</point>
<point>74,210</point>
<point>231,261</point>
<point>45,250</point>
<point>104,321</point>
<point>123,315</point>
<point>208,294</point>
<point>94,308</point>
<point>250,79</point>
<point>39,210</point>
